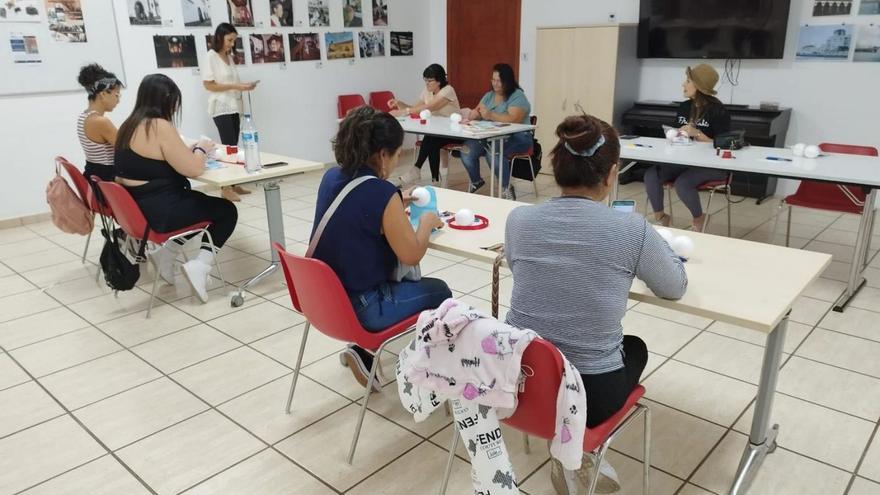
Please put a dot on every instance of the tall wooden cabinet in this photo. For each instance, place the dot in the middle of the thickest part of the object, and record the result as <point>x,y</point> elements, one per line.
<point>589,67</point>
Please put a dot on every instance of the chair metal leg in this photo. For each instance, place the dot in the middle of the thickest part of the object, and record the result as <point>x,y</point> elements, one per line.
<point>86,249</point>
<point>729,213</point>
<point>216,258</point>
<point>788,228</point>
<point>299,358</point>
<point>646,467</point>
<point>527,447</point>
<point>450,459</point>
<point>534,178</point>
<point>706,213</point>
<point>156,278</point>
<point>594,479</point>
<point>772,237</point>
<point>669,197</point>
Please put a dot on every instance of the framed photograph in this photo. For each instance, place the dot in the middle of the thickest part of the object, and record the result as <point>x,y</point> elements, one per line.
<point>237,53</point>
<point>339,45</point>
<point>869,7</point>
<point>371,44</point>
<point>352,13</point>
<point>175,51</point>
<point>380,13</point>
<point>240,13</point>
<point>66,21</point>
<point>319,13</point>
<point>144,13</point>
<point>196,13</point>
<point>281,13</point>
<point>831,42</point>
<point>20,11</point>
<point>401,43</point>
<point>304,47</point>
<point>267,48</point>
<point>831,7</point>
<point>867,44</point>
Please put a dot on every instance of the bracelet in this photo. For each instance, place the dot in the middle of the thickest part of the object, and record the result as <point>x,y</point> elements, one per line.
<point>199,148</point>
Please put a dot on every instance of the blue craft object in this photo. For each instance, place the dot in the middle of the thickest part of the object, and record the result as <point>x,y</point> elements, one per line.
<point>416,211</point>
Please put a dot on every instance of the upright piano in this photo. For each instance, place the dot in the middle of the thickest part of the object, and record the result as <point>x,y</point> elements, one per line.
<point>763,126</point>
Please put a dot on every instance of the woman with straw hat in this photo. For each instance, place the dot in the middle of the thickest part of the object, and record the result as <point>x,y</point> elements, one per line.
<point>701,117</point>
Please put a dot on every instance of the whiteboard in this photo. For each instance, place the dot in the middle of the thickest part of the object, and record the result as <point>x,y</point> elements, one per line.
<point>59,60</point>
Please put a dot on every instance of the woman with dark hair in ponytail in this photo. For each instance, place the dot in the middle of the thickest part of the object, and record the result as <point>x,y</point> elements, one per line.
<point>96,132</point>
<point>369,232</point>
<point>581,257</point>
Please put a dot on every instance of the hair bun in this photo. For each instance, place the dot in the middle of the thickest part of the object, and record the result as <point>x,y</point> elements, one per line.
<point>90,74</point>
<point>580,132</point>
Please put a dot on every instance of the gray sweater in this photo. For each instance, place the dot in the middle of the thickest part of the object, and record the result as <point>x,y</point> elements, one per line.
<point>573,262</point>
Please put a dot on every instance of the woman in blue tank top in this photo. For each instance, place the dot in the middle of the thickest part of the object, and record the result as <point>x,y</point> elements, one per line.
<point>370,231</point>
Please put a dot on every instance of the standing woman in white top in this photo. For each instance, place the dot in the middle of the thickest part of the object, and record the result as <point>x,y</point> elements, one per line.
<point>96,132</point>
<point>220,78</point>
<point>440,98</point>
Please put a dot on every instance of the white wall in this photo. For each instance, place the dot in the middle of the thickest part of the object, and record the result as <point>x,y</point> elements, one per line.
<point>295,107</point>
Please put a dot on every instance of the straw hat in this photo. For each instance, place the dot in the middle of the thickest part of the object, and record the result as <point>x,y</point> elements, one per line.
<point>704,78</point>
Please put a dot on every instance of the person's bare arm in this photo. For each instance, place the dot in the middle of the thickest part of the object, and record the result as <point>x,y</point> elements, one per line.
<point>514,115</point>
<point>183,159</point>
<point>100,129</point>
<point>218,87</point>
<point>409,246</point>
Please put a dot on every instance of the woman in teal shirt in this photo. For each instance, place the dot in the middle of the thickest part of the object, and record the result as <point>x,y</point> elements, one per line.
<point>506,102</point>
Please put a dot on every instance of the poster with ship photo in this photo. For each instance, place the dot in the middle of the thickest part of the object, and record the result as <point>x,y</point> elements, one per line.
<point>831,42</point>
<point>175,51</point>
<point>401,43</point>
<point>237,52</point>
<point>20,10</point>
<point>66,21</point>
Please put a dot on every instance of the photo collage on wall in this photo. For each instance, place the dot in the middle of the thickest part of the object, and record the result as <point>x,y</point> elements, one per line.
<point>64,20</point>
<point>838,41</point>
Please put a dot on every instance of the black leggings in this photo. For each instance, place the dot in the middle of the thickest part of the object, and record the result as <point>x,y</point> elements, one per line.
<point>430,149</point>
<point>103,172</point>
<point>228,126</point>
<point>169,208</point>
<point>607,392</point>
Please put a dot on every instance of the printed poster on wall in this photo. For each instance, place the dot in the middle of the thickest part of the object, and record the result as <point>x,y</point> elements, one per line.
<point>196,13</point>
<point>831,7</point>
<point>237,52</point>
<point>371,44</point>
<point>240,13</point>
<point>66,21</point>
<point>19,10</point>
<point>144,13</point>
<point>869,7</point>
<point>401,43</point>
<point>281,13</point>
<point>830,42</point>
<point>868,44</point>
<point>319,13</point>
<point>380,13</point>
<point>175,51</point>
<point>24,48</point>
<point>304,47</point>
<point>352,13</point>
<point>339,45</point>
<point>267,48</point>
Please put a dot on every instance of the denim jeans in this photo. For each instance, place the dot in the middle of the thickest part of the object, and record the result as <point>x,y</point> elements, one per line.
<point>393,302</point>
<point>475,148</point>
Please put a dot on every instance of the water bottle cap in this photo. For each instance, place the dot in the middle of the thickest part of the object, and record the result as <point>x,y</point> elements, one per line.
<point>247,115</point>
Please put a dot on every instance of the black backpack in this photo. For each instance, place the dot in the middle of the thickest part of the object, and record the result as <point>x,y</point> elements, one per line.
<point>520,167</point>
<point>119,272</point>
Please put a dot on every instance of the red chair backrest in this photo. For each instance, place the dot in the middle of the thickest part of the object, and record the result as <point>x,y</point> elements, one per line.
<point>79,183</point>
<point>379,100</point>
<point>346,103</point>
<point>830,195</point>
<point>318,294</point>
<point>127,213</point>
<point>281,255</point>
<point>536,411</point>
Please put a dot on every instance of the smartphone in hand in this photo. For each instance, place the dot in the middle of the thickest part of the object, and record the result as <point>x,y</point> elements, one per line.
<point>627,205</point>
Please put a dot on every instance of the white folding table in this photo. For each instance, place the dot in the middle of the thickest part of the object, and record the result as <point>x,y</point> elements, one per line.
<point>855,170</point>
<point>442,126</point>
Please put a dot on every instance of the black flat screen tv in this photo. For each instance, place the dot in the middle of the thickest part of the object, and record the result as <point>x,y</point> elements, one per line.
<point>712,28</point>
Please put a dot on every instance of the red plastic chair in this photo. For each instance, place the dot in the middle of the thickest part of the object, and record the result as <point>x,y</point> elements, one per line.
<point>347,103</point>
<point>527,155</point>
<point>536,411</point>
<point>713,186</point>
<point>317,293</point>
<point>85,194</point>
<point>379,100</point>
<point>131,220</point>
<point>827,196</point>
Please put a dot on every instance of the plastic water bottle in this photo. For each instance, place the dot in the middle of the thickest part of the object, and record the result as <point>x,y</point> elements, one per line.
<point>250,143</point>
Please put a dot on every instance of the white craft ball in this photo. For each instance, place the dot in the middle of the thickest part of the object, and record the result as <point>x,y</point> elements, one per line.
<point>672,134</point>
<point>425,114</point>
<point>683,246</point>
<point>666,234</point>
<point>421,196</point>
<point>798,149</point>
<point>455,118</point>
<point>464,217</point>
<point>811,151</point>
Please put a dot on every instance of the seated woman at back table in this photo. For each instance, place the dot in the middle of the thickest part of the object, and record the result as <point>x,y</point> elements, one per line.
<point>153,163</point>
<point>702,116</point>
<point>370,232</point>
<point>96,132</point>
<point>505,102</point>
<point>439,97</point>
<point>573,261</point>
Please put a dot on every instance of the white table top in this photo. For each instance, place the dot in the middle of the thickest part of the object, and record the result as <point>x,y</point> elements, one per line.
<point>234,173</point>
<point>832,167</point>
<point>442,126</point>
<point>739,282</point>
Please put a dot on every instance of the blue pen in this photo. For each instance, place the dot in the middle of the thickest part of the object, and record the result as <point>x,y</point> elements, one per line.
<point>643,145</point>
<point>777,159</point>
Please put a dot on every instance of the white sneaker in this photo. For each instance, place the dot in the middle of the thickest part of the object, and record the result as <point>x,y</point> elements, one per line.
<point>444,176</point>
<point>411,176</point>
<point>164,261</point>
<point>197,274</point>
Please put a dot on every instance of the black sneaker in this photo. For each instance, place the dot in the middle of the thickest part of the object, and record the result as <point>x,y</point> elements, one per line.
<point>475,186</point>
<point>359,361</point>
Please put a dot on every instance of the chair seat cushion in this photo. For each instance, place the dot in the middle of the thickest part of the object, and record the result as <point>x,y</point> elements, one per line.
<point>595,436</point>
<point>836,203</point>
<point>372,341</point>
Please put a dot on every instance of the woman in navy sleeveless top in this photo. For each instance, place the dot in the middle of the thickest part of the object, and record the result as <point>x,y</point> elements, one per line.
<point>370,231</point>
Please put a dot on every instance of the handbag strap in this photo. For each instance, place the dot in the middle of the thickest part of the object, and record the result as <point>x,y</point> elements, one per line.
<point>332,209</point>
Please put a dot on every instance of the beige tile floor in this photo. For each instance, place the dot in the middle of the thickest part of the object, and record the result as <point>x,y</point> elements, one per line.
<point>95,399</point>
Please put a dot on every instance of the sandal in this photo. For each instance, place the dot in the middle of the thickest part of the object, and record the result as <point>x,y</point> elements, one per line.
<point>241,190</point>
<point>229,193</point>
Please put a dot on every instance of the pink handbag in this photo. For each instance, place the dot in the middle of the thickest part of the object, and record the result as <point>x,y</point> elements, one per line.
<point>69,212</point>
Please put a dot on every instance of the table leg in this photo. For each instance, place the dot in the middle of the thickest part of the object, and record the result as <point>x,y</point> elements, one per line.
<point>616,184</point>
<point>863,242</point>
<point>491,160</point>
<point>762,438</point>
<point>500,168</point>
<point>276,234</point>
